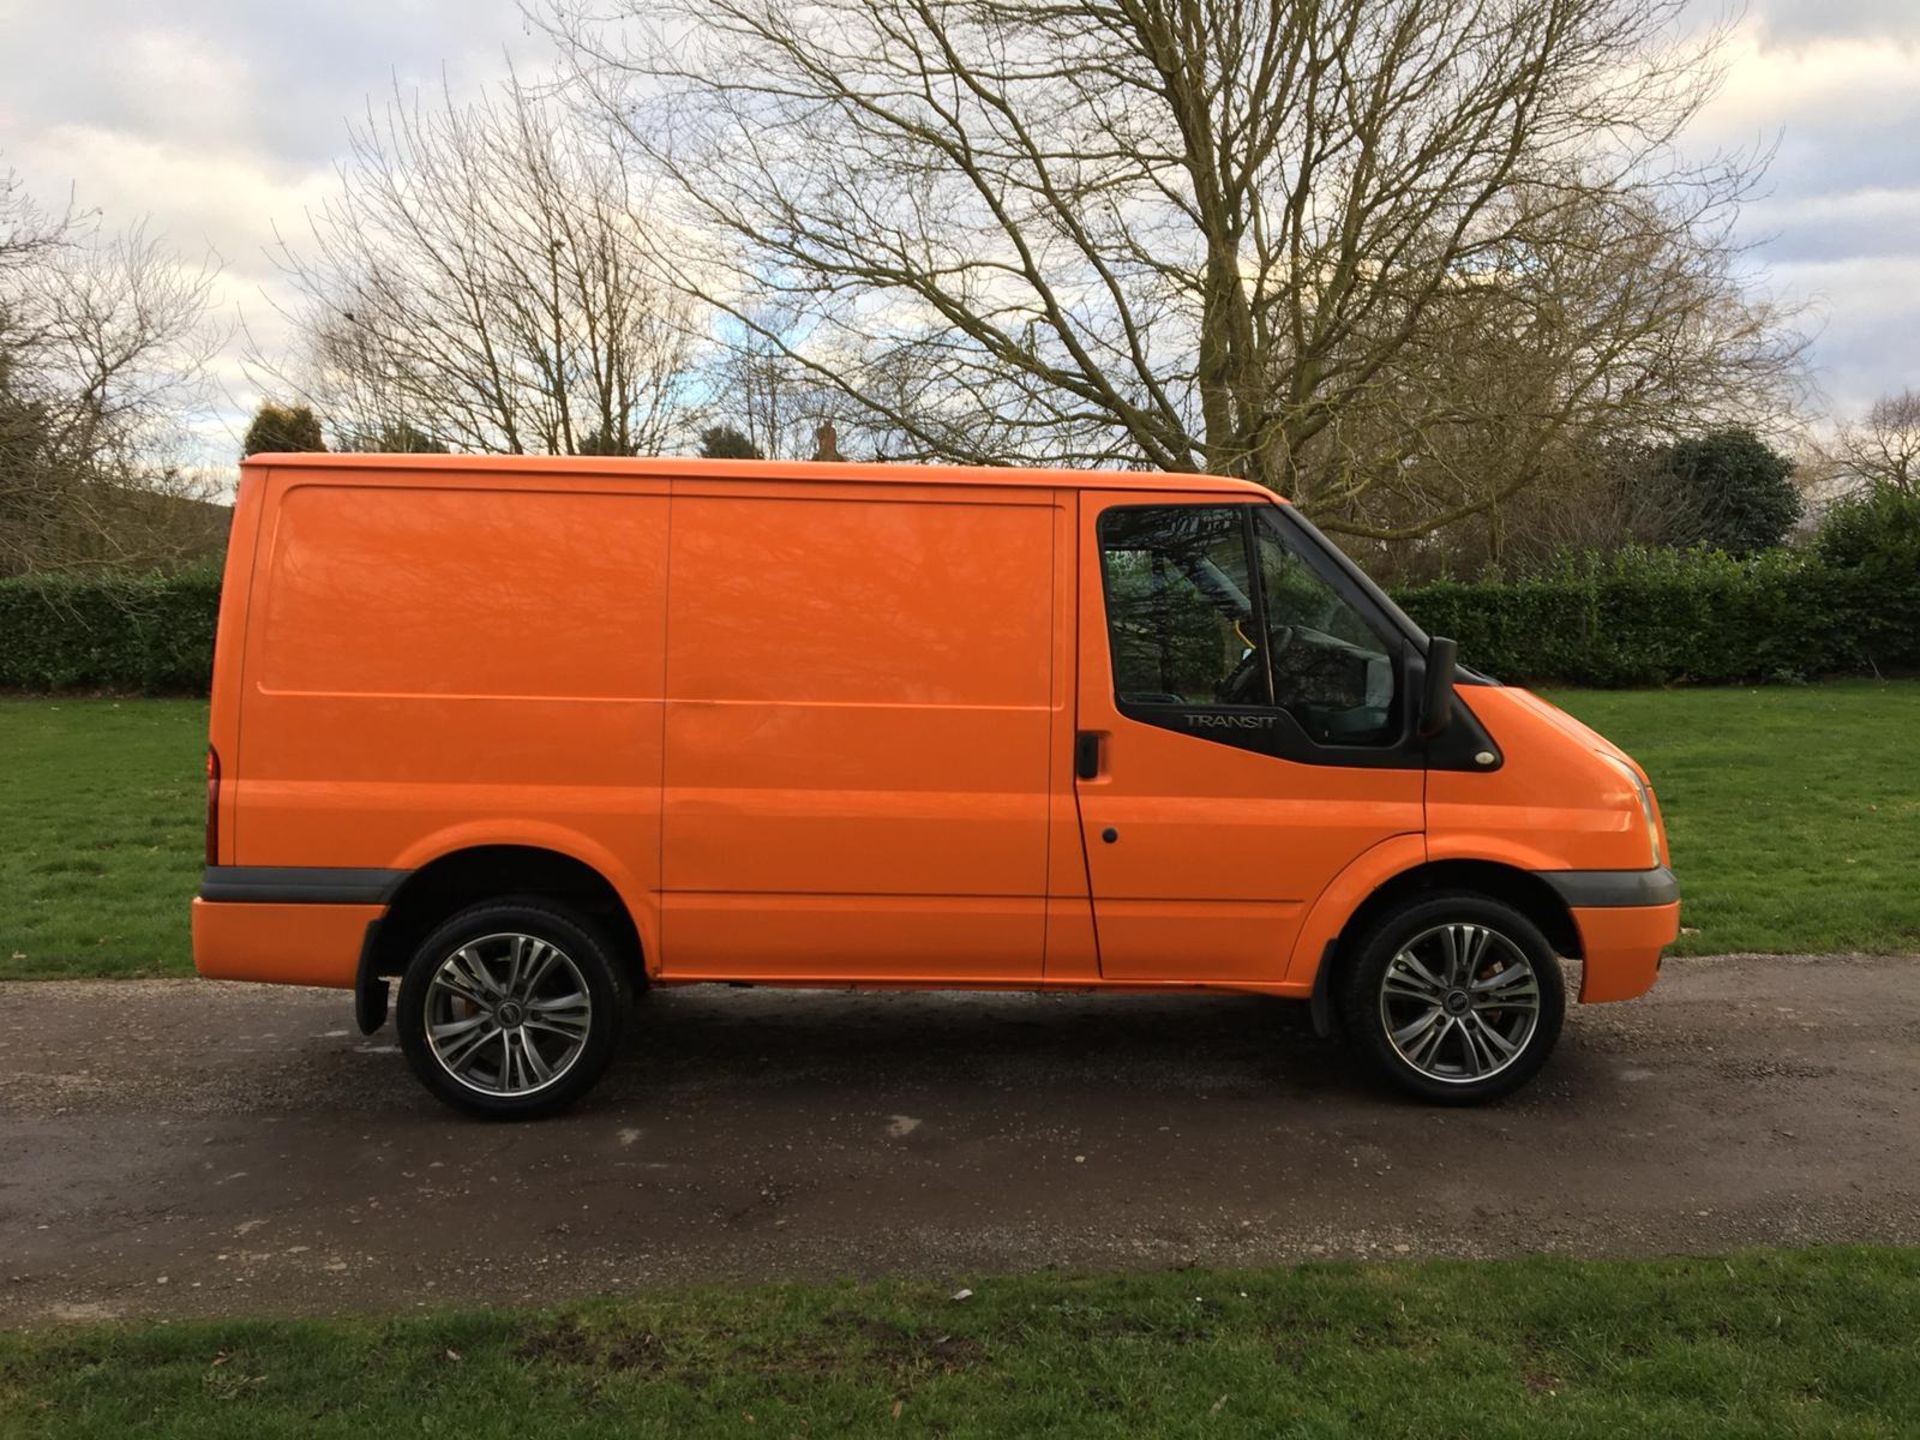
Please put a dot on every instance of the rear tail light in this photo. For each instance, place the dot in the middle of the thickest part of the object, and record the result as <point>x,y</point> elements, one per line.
<point>213,806</point>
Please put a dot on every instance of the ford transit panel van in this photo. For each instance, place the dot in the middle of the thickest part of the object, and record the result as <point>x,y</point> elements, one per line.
<point>527,735</point>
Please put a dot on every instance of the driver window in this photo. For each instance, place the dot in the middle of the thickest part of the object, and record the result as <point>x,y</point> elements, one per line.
<point>1179,606</point>
<point>1331,670</point>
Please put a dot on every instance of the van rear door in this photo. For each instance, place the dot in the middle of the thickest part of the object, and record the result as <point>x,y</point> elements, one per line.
<point>1243,734</point>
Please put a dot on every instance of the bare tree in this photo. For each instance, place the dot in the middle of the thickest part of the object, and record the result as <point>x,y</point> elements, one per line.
<point>1205,235</point>
<point>752,380</point>
<point>482,280</point>
<point>1884,451</point>
<point>105,341</point>
<point>27,231</point>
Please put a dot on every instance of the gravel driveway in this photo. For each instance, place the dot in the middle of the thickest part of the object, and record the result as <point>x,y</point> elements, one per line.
<point>183,1147</point>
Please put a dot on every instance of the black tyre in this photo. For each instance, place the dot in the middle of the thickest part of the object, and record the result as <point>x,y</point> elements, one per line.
<point>512,1008</point>
<point>1455,997</point>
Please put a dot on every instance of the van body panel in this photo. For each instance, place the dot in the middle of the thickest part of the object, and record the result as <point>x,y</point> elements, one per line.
<point>229,646</point>
<point>288,944</point>
<point>1215,851</point>
<point>938,941</point>
<point>1345,894</point>
<point>1555,803</point>
<point>592,838</point>
<point>689,474</point>
<point>451,659</point>
<point>1577,730</point>
<point>860,697</point>
<point>1072,952</point>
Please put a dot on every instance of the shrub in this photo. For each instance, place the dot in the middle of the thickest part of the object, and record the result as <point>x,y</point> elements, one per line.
<point>1878,531</point>
<point>282,429</point>
<point>1729,489</point>
<point>1656,617</point>
<point>146,633</point>
<point>1876,538</point>
<point>1849,605</point>
<point>727,442</point>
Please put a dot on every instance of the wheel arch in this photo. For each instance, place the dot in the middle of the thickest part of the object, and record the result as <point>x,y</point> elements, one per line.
<point>1330,939</point>
<point>467,876</point>
<point>1522,889</point>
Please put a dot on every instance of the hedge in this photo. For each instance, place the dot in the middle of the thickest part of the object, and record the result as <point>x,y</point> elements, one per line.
<point>145,633</point>
<point>1638,617</point>
<point>1667,617</point>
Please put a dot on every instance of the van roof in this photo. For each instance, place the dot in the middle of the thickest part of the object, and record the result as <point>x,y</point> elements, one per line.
<point>816,471</point>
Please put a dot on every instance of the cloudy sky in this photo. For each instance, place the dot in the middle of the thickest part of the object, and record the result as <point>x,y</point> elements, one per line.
<point>221,119</point>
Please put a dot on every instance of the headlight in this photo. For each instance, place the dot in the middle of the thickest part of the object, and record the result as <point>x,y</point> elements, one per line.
<point>1646,805</point>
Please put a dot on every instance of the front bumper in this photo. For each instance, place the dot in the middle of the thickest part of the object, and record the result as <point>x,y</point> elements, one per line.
<point>1621,946</point>
<point>1625,919</point>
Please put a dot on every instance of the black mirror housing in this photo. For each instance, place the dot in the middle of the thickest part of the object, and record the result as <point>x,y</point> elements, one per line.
<point>1436,695</point>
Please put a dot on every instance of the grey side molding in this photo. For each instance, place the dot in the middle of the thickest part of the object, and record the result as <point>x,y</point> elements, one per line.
<point>298,885</point>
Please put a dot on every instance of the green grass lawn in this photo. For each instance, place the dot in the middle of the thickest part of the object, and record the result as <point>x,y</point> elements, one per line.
<point>103,803</point>
<point>1819,1343</point>
<point>1794,815</point>
<point>1793,812</point>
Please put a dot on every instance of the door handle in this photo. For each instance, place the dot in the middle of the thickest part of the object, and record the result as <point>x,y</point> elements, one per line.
<point>1086,754</point>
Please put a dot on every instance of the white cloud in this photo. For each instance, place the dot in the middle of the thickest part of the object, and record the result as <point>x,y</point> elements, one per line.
<point>1769,83</point>
<point>219,120</point>
<point>1835,89</point>
<point>1871,306</point>
<point>202,198</point>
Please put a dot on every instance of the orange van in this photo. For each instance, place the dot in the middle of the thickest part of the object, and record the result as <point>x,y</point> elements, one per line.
<point>527,735</point>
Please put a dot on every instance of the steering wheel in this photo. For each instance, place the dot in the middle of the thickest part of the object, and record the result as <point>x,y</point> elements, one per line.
<point>1242,687</point>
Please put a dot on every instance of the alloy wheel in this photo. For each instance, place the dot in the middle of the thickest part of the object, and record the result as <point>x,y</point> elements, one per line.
<point>508,1014</point>
<point>1459,1002</point>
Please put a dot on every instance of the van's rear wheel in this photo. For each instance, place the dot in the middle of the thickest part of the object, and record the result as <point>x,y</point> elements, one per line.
<point>1457,997</point>
<point>512,1009</point>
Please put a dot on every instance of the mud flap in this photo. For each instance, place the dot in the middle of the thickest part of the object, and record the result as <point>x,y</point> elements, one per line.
<point>1320,1005</point>
<point>370,989</point>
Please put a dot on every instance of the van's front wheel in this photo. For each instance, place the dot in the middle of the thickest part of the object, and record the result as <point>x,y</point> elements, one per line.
<point>1457,997</point>
<point>512,1009</point>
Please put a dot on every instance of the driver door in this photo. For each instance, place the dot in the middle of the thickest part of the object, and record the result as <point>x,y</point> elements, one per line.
<point>1232,760</point>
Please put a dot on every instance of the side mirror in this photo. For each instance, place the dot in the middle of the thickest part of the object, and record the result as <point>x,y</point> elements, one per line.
<point>1436,696</point>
